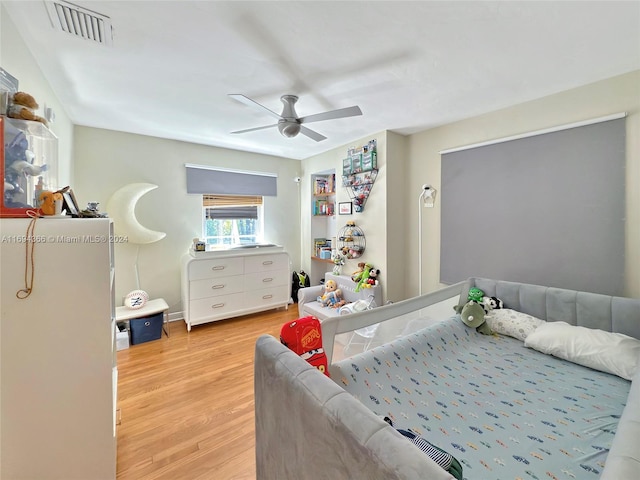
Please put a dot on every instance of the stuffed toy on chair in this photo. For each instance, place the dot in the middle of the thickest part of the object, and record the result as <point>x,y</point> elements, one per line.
<point>332,296</point>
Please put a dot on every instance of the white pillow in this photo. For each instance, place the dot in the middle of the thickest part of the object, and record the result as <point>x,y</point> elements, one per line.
<point>512,323</point>
<point>605,351</point>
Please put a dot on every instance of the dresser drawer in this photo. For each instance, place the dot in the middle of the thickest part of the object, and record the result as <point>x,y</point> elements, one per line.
<point>261,263</point>
<point>273,278</point>
<point>267,296</point>
<point>219,267</point>
<point>215,308</point>
<point>213,287</point>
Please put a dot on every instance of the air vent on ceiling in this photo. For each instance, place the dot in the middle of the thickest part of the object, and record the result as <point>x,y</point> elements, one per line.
<point>80,22</point>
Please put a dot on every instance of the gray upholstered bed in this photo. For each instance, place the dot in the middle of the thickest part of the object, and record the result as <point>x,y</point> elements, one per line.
<point>310,426</point>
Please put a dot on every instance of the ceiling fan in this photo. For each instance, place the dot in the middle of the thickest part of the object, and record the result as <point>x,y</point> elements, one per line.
<point>289,124</point>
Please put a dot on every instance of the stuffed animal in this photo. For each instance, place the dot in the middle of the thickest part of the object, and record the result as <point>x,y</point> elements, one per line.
<point>355,276</point>
<point>373,278</point>
<point>363,276</point>
<point>475,294</point>
<point>472,315</point>
<point>491,303</point>
<point>48,202</point>
<point>332,296</point>
<point>23,106</point>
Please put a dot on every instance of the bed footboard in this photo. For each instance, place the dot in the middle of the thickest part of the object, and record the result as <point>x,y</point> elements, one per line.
<point>309,428</point>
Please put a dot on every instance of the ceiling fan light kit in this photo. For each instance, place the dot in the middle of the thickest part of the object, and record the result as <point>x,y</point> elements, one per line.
<point>289,124</point>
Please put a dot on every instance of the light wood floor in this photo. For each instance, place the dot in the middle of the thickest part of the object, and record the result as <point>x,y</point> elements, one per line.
<point>187,401</point>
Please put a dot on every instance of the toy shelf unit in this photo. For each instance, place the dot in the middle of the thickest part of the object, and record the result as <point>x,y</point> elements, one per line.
<point>29,163</point>
<point>324,191</point>
<point>359,173</point>
<point>351,241</point>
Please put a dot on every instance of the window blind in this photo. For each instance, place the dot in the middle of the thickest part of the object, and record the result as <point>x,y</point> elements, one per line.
<point>229,207</point>
<point>202,179</point>
<point>546,209</point>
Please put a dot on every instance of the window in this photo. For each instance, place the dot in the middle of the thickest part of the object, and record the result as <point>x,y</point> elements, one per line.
<point>232,219</point>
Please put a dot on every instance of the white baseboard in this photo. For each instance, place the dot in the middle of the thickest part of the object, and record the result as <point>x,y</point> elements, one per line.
<point>176,316</point>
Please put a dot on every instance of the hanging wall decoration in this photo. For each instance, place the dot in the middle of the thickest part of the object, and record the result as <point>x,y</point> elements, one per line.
<point>359,172</point>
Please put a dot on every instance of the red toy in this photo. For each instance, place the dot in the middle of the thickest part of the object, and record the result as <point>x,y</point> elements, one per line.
<point>304,337</point>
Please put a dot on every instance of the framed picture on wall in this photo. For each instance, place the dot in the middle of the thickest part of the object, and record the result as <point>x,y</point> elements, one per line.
<point>345,208</point>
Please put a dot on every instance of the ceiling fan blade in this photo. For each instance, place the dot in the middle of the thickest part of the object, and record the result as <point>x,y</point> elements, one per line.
<point>252,103</point>
<point>256,128</point>
<point>339,113</point>
<point>311,134</point>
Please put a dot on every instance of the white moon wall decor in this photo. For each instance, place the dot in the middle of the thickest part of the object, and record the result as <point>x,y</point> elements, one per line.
<point>121,208</point>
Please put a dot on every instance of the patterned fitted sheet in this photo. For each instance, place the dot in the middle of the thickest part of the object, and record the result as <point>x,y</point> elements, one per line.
<point>503,410</point>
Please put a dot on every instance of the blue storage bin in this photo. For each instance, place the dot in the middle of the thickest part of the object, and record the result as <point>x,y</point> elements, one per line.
<point>146,329</point>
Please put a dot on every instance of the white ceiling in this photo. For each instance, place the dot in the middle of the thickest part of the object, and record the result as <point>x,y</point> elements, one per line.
<point>408,65</point>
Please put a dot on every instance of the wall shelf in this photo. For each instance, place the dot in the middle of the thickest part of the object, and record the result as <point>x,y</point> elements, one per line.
<point>324,260</point>
<point>359,187</point>
<point>351,241</point>
<point>359,173</point>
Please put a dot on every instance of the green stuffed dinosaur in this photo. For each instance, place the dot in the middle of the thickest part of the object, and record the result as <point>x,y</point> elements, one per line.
<point>472,315</point>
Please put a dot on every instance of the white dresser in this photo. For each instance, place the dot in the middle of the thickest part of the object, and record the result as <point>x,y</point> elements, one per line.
<point>229,283</point>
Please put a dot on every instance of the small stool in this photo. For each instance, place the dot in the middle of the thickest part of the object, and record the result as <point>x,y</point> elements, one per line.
<point>150,308</point>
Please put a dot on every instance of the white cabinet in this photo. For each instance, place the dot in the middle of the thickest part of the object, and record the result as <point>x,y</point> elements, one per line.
<point>58,355</point>
<point>229,283</point>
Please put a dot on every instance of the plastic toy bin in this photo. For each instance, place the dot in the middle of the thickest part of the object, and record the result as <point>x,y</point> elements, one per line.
<point>146,329</point>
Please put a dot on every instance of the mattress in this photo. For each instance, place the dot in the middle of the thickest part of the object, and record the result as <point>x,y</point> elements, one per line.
<point>503,410</point>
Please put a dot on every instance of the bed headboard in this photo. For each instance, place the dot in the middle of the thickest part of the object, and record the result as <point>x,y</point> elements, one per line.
<point>613,314</point>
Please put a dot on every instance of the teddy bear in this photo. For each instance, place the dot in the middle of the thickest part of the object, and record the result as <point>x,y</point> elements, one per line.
<point>332,296</point>
<point>23,107</point>
<point>48,202</point>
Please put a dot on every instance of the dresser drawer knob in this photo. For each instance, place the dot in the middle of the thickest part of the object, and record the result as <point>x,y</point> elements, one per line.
<point>216,287</point>
<point>218,267</point>
<point>217,305</point>
<point>267,297</point>
<point>268,262</point>
<point>267,280</point>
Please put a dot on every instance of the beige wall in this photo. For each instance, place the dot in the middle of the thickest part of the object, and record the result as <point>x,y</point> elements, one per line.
<point>108,160</point>
<point>372,220</point>
<point>16,59</point>
<point>618,94</point>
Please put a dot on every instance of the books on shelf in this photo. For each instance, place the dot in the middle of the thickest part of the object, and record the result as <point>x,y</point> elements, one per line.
<point>324,185</point>
<point>323,207</point>
<point>320,245</point>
